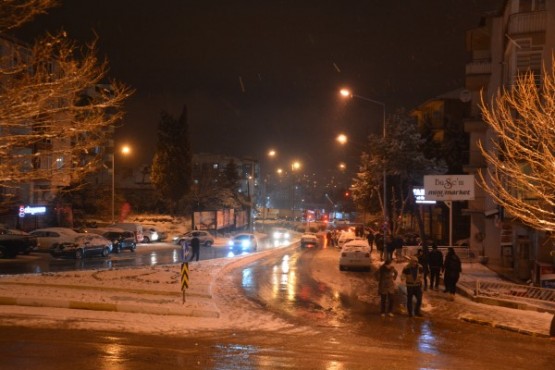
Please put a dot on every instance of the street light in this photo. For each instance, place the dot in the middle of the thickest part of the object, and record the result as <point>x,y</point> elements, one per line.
<point>125,150</point>
<point>346,93</point>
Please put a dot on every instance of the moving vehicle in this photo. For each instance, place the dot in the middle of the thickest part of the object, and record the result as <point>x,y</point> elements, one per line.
<point>355,254</point>
<point>121,240</point>
<point>309,240</point>
<point>243,242</point>
<point>49,237</point>
<point>153,234</point>
<point>204,237</point>
<point>281,234</point>
<point>83,245</point>
<point>14,242</point>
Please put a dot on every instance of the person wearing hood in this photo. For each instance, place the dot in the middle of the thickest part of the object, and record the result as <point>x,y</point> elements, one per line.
<point>386,276</point>
<point>412,275</point>
<point>452,269</point>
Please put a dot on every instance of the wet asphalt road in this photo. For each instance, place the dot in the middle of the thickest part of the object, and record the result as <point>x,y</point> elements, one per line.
<point>307,289</point>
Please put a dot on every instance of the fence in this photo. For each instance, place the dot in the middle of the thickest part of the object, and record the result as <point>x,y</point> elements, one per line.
<point>515,292</point>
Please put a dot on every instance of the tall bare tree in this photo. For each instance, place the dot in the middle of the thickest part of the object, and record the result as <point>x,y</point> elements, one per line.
<point>57,106</point>
<point>521,152</point>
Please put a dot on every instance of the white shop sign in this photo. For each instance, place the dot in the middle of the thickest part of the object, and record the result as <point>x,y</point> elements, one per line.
<point>449,187</point>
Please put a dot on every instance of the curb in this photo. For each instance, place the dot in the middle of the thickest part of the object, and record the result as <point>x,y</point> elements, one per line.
<point>504,327</point>
<point>109,307</point>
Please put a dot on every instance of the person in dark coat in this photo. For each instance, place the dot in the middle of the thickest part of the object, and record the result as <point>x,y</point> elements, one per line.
<point>435,261</point>
<point>422,256</point>
<point>370,238</point>
<point>452,269</point>
<point>398,248</point>
<point>386,276</point>
<point>389,248</point>
<point>195,246</point>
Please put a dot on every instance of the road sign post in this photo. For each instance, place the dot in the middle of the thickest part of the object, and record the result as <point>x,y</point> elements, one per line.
<point>184,278</point>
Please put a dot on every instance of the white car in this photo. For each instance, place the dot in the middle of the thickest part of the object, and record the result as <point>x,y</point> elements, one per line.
<point>345,237</point>
<point>53,236</point>
<point>309,240</point>
<point>355,254</point>
<point>204,237</point>
<point>243,242</point>
<point>152,234</point>
<point>281,234</point>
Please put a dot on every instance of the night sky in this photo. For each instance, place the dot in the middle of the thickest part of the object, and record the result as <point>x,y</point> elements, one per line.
<point>260,74</point>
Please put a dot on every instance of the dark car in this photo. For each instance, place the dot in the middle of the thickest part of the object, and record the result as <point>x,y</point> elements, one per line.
<point>121,240</point>
<point>83,246</point>
<point>14,242</point>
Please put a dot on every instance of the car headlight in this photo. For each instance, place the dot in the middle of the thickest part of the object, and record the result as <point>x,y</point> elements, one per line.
<point>154,236</point>
<point>230,243</point>
<point>246,244</point>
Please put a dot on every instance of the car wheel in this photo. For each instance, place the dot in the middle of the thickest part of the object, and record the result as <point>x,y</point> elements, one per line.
<point>208,244</point>
<point>146,239</point>
<point>79,253</point>
<point>105,252</point>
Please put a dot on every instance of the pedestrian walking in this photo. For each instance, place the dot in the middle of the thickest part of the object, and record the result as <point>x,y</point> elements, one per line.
<point>452,269</point>
<point>422,256</point>
<point>329,241</point>
<point>412,276</point>
<point>386,276</point>
<point>398,248</point>
<point>370,238</point>
<point>435,261</point>
<point>389,248</point>
<point>378,238</point>
<point>195,246</point>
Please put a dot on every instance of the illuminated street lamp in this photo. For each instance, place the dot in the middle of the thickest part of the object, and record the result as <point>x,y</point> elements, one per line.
<point>125,150</point>
<point>272,153</point>
<point>342,139</point>
<point>346,93</point>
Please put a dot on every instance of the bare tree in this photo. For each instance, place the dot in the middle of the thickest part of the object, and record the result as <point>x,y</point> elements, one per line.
<point>521,153</point>
<point>56,105</point>
<point>14,13</point>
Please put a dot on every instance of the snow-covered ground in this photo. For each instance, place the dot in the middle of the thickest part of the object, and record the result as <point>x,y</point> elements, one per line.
<point>149,300</point>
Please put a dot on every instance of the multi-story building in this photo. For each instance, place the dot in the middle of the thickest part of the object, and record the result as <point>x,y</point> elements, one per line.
<point>520,38</point>
<point>440,122</point>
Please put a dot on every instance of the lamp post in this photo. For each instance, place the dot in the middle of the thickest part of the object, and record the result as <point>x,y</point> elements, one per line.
<point>124,150</point>
<point>348,94</point>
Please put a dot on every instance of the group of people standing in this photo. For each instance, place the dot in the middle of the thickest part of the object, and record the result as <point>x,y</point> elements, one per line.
<point>425,265</point>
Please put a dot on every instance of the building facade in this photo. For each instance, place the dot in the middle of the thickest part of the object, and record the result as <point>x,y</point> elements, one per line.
<point>519,38</point>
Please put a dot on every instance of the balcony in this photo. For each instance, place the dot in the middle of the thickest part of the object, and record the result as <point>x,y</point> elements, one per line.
<point>478,67</point>
<point>527,22</point>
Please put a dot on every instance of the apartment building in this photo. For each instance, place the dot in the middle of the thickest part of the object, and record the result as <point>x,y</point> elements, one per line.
<point>519,38</point>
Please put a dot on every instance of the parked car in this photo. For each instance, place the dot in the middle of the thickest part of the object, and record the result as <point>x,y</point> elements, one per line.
<point>52,236</point>
<point>14,242</point>
<point>135,228</point>
<point>204,237</point>
<point>84,245</point>
<point>345,237</point>
<point>121,240</point>
<point>243,242</point>
<point>355,254</point>
<point>281,234</point>
<point>309,240</point>
<point>153,234</point>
